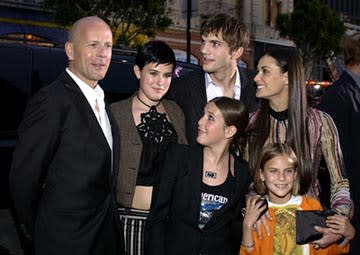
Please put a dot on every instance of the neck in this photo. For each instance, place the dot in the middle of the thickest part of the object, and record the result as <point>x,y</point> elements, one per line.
<point>354,68</point>
<point>216,155</point>
<point>279,105</point>
<point>147,102</point>
<point>225,78</point>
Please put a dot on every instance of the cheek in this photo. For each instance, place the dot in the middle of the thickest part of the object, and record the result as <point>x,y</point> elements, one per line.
<point>167,82</point>
<point>146,80</point>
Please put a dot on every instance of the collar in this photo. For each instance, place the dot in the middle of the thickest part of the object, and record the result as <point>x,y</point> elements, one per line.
<point>280,116</point>
<point>353,75</point>
<point>294,200</point>
<point>237,87</point>
<point>90,93</point>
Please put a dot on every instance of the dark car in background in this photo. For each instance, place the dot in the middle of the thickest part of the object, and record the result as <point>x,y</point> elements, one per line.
<point>24,69</point>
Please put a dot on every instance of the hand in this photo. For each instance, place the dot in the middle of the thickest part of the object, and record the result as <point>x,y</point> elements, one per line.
<point>263,222</point>
<point>339,224</point>
<point>328,237</point>
<point>254,208</point>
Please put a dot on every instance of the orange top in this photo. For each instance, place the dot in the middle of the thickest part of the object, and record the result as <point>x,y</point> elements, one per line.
<point>285,242</point>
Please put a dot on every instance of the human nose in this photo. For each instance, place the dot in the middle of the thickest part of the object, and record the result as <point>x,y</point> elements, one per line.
<point>103,50</point>
<point>203,48</point>
<point>201,120</point>
<point>257,77</point>
<point>281,176</point>
<point>160,80</point>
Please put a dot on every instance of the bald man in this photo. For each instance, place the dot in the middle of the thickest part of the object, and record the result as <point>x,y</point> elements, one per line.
<point>64,167</point>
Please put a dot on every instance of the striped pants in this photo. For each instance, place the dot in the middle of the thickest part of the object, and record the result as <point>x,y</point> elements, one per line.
<point>133,222</point>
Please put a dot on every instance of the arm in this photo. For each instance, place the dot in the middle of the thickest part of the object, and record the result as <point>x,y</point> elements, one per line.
<point>32,157</point>
<point>340,199</point>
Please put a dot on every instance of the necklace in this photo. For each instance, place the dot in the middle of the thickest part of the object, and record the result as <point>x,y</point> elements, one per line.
<point>141,101</point>
<point>212,173</point>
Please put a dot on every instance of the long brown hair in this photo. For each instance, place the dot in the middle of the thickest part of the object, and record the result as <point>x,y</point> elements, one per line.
<point>297,131</point>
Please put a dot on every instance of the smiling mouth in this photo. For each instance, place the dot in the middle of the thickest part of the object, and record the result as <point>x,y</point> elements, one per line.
<point>281,186</point>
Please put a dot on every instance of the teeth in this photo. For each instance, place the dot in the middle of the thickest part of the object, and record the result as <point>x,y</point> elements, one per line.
<point>260,86</point>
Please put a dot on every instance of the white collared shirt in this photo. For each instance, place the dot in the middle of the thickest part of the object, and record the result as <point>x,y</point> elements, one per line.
<point>213,90</point>
<point>93,95</point>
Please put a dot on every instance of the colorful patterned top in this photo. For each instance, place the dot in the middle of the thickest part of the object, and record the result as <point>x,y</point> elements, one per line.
<point>324,140</point>
<point>282,238</point>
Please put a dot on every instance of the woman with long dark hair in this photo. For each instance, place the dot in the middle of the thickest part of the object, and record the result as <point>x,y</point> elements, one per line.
<point>284,116</point>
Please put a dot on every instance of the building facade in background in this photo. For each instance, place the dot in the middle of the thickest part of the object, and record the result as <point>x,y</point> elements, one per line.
<point>25,21</point>
<point>258,15</point>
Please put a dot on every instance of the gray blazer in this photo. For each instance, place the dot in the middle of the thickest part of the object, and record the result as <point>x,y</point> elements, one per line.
<point>131,145</point>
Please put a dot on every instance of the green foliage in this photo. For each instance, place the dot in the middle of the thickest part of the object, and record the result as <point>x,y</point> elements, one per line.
<point>130,20</point>
<point>314,28</point>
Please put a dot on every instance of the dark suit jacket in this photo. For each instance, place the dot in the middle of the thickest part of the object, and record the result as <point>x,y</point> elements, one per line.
<point>61,179</point>
<point>189,92</point>
<point>172,225</point>
<point>342,102</point>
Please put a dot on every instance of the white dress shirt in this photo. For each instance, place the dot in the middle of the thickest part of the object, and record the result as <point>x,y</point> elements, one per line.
<point>213,90</point>
<point>93,96</point>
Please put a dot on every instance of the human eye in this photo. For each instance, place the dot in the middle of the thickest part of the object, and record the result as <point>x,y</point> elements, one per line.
<point>290,170</point>
<point>273,170</point>
<point>108,45</point>
<point>211,117</point>
<point>168,75</point>
<point>92,44</point>
<point>153,73</point>
<point>216,44</point>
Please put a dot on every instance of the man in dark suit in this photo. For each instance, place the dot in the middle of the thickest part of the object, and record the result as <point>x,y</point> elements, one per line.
<point>342,102</point>
<point>224,40</point>
<point>63,174</point>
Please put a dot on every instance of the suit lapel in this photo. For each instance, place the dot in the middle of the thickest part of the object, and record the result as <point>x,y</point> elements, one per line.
<point>86,109</point>
<point>196,180</point>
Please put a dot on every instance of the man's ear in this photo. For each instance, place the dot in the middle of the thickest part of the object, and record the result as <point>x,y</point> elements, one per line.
<point>238,53</point>
<point>69,50</point>
<point>137,71</point>
<point>230,131</point>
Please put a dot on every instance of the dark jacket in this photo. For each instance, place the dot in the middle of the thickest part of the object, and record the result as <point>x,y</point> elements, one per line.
<point>342,102</point>
<point>189,92</point>
<point>131,145</point>
<point>172,226</point>
<point>61,181</point>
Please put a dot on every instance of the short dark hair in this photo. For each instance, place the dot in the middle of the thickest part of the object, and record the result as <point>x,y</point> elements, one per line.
<point>155,52</point>
<point>352,49</point>
<point>232,30</point>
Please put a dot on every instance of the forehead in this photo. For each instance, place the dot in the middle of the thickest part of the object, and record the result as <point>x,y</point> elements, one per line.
<point>159,67</point>
<point>211,36</point>
<point>267,61</point>
<point>212,108</point>
<point>280,161</point>
<point>93,30</point>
